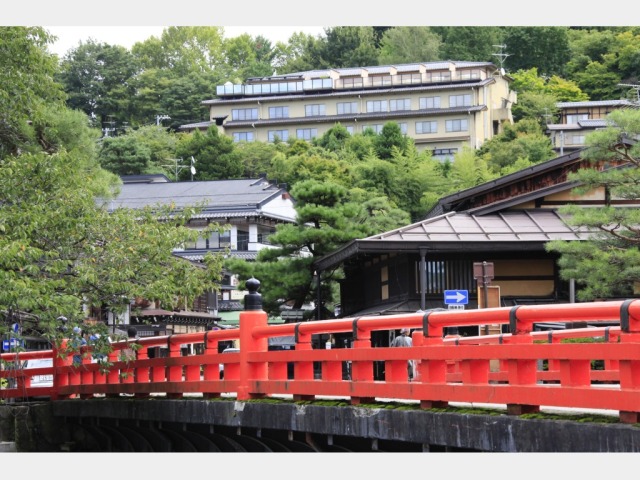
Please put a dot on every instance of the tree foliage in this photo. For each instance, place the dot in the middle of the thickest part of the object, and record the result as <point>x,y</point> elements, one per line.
<point>608,264</point>
<point>409,45</point>
<point>327,217</point>
<point>61,249</point>
<point>26,83</point>
<point>214,153</point>
<point>98,80</point>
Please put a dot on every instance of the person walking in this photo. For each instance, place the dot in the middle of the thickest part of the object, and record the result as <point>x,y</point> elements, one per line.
<point>405,340</point>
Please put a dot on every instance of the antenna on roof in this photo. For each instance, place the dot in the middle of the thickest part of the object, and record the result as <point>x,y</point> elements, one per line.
<point>501,57</point>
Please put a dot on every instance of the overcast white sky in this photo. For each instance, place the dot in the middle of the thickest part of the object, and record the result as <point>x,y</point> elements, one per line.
<point>124,22</point>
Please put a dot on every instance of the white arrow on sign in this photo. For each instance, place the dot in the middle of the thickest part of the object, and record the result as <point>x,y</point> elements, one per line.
<point>457,297</point>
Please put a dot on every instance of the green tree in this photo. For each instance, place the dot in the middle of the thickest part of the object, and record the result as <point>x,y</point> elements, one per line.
<point>325,220</point>
<point>215,155</point>
<point>409,45</point>
<point>300,53</point>
<point>523,140</point>
<point>124,155</point>
<point>348,47</point>
<point>598,81</point>
<point>248,56</point>
<point>469,43</point>
<point>544,47</point>
<point>468,170</point>
<point>26,83</point>
<point>161,144</point>
<point>390,137</point>
<point>607,265</point>
<point>183,49</point>
<point>62,250</point>
<point>98,80</point>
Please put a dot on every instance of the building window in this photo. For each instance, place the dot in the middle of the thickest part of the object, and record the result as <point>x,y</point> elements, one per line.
<point>380,80</point>
<point>461,125</point>
<point>354,82</point>
<point>409,78</point>
<point>446,275</point>
<point>577,117</point>
<point>244,114</point>
<point>242,238</point>
<point>398,105</point>
<point>403,127</point>
<point>443,154</point>
<point>306,133</point>
<point>426,127</point>
<point>314,110</point>
<point>376,106</point>
<point>429,102</point>
<point>279,134</point>
<point>220,240</point>
<point>347,107</point>
<point>578,139</point>
<point>349,129</point>
<point>243,137</point>
<point>376,128</point>
<point>460,100</point>
<point>278,112</point>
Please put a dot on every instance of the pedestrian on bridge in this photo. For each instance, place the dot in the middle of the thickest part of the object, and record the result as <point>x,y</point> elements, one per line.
<point>405,340</point>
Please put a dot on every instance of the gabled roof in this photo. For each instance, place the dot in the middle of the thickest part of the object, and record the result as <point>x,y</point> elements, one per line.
<point>595,103</point>
<point>221,198</point>
<point>456,200</point>
<point>511,230</point>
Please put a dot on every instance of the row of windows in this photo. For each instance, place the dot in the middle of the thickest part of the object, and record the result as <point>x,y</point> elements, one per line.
<point>223,240</point>
<point>460,125</point>
<point>345,108</point>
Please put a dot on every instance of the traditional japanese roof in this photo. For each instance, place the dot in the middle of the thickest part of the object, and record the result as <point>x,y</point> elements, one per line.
<point>511,230</point>
<point>218,199</point>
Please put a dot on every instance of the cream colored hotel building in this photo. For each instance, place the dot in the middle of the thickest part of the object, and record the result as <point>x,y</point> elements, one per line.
<point>441,105</point>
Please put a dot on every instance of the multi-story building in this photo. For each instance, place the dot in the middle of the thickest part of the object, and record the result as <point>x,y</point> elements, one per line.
<point>578,119</point>
<point>442,106</point>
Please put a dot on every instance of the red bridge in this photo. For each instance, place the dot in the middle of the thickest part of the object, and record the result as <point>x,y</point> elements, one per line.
<point>522,371</point>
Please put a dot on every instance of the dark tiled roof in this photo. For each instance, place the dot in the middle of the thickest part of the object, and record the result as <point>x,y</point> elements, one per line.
<point>245,194</point>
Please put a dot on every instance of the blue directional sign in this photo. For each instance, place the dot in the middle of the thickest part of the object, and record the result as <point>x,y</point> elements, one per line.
<point>456,297</point>
<point>11,343</point>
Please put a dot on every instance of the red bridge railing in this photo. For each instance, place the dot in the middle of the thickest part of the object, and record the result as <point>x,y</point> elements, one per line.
<point>522,370</point>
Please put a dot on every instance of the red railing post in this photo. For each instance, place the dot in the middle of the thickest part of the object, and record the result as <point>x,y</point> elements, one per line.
<point>253,316</point>
<point>361,370</point>
<point>430,370</point>
<point>142,374</point>
<point>630,369</point>
<point>86,373</point>
<point>521,371</point>
<point>303,370</point>
<point>60,377</point>
<point>113,377</point>
<point>175,369</point>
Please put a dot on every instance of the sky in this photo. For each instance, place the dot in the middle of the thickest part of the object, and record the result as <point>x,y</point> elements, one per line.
<point>125,22</point>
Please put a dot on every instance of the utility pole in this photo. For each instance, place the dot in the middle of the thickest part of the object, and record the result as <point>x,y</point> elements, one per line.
<point>177,168</point>
<point>501,57</point>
